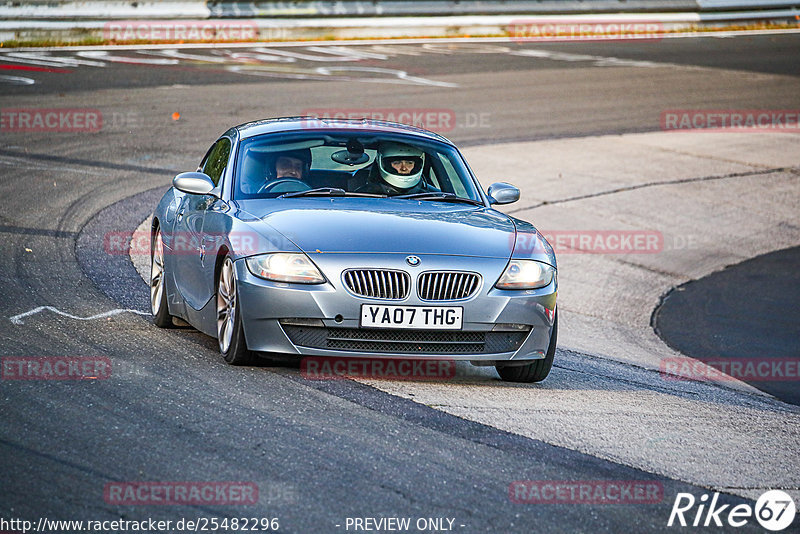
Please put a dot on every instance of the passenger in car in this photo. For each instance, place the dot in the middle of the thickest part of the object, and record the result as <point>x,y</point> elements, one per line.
<point>397,171</point>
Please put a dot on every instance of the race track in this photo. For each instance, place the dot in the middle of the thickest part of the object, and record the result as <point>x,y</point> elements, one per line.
<point>578,126</point>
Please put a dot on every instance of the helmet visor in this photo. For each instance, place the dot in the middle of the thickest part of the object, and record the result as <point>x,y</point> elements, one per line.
<point>402,165</point>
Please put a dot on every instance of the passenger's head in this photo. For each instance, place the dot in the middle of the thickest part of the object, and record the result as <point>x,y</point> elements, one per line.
<point>400,165</point>
<point>293,164</point>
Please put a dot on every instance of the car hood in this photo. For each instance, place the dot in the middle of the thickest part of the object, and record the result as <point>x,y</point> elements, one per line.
<point>388,226</point>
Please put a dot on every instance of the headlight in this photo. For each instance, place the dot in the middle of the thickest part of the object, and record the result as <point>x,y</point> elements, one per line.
<point>285,267</point>
<point>526,274</point>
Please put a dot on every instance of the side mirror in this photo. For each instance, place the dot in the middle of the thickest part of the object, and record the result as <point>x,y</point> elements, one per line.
<point>196,183</point>
<point>502,193</point>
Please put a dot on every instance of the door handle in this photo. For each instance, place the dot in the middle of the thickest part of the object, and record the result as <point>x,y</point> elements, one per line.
<point>180,214</point>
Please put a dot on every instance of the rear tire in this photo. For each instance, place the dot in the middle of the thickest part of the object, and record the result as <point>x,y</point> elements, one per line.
<point>158,293</point>
<point>535,371</point>
<point>230,334</point>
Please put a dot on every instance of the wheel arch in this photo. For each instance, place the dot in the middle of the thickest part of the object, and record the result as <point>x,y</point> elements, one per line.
<point>222,253</point>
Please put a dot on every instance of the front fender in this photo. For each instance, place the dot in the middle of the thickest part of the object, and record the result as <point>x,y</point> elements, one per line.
<point>530,244</point>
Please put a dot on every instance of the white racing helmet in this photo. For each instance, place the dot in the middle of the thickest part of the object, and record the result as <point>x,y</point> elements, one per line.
<point>391,152</point>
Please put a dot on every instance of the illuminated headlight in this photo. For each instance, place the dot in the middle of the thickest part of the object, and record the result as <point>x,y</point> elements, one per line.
<point>526,274</point>
<point>285,267</point>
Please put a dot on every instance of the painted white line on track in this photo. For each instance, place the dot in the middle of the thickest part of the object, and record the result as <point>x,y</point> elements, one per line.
<point>402,76</point>
<point>260,60</point>
<point>326,74</point>
<point>189,57</point>
<point>16,58</point>
<point>42,58</point>
<point>17,319</point>
<point>347,51</point>
<point>252,56</point>
<point>599,61</point>
<point>106,56</point>
<point>16,80</point>
<point>328,57</point>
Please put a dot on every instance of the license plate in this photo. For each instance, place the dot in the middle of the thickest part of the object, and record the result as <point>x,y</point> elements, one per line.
<point>421,317</point>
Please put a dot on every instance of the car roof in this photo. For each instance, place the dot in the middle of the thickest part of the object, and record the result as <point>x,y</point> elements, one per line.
<point>289,124</point>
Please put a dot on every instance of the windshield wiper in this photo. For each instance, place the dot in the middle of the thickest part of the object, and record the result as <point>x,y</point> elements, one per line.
<point>433,195</point>
<point>328,192</point>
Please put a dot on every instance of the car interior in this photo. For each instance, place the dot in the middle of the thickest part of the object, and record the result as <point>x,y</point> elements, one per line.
<point>344,164</point>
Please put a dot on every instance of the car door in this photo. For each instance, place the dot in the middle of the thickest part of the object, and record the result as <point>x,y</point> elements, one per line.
<point>216,221</point>
<point>190,241</point>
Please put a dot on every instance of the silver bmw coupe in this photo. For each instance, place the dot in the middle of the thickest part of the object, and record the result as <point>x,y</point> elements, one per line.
<point>352,238</point>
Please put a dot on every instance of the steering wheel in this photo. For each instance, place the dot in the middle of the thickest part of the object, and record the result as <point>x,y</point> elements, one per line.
<point>269,187</point>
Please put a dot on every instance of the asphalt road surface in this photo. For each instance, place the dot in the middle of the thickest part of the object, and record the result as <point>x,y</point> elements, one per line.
<point>749,310</point>
<point>319,452</point>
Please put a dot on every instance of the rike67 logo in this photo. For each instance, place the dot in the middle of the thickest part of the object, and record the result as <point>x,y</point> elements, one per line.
<point>774,510</point>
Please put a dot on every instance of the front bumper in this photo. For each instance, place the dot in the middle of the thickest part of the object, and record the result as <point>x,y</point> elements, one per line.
<point>323,320</point>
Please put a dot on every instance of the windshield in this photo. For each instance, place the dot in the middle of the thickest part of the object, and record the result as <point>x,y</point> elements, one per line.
<point>364,164</point>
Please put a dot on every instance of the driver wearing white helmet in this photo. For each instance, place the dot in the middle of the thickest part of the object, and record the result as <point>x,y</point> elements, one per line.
<point>399,170</point>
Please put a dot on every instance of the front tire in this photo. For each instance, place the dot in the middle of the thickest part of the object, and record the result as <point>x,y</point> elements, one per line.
<point>158,292</point>
<point>230,334</point>
<point>535,371</point>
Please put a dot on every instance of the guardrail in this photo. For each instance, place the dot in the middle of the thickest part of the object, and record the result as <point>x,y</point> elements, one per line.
<point>101,9</point>
<point>357,8</point>
<point>94,22</point>
<point>194,9</point>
